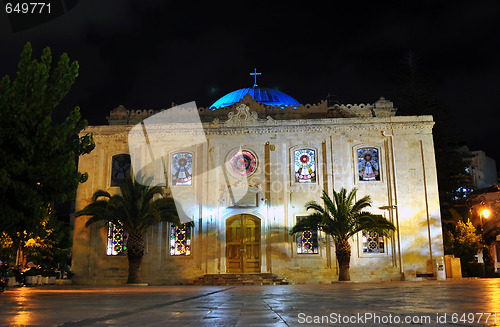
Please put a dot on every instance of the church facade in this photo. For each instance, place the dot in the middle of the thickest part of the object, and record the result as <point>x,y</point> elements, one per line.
<point>262,157</point>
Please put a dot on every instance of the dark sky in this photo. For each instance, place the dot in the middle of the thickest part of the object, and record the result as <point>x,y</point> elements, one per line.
<point>146,54</point>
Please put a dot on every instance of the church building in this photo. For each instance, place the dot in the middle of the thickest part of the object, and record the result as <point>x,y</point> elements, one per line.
<point>243,171</point>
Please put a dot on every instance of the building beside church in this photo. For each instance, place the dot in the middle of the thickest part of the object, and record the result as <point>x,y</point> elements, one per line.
<point>264,156</point>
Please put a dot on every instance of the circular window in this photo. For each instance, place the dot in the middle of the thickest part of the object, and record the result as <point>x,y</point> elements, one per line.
<point>243,163</point>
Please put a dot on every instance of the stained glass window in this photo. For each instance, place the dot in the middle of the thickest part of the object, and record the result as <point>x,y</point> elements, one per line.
<point>180,240</point>
<point>373,242</point>
<point>243,163</point>
<point>368,164</point>
<point>120,167</point>
<point>182,168</point>
<point>117,240</point>
<point>307,241</point>
<point>305,166</point>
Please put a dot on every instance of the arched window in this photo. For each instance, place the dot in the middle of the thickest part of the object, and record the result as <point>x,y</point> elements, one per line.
<point>307,240</point>
<point>368,164</point>
<point>120,167</point>
<point>180,239</point>
<point>182,168</point>
<point>117,240</point>
<point>305,166</point>
<point>373,242</point>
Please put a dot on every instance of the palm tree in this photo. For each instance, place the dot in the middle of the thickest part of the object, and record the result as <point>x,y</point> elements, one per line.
<point>135,210</point>
<point>342,219</point>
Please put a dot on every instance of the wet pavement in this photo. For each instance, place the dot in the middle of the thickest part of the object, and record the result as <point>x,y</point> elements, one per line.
<point>466,302</point>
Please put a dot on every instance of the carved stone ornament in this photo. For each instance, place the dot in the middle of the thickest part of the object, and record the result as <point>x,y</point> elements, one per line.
<point>271,120</point>
<point>242,114</point>
<point>243,184</point>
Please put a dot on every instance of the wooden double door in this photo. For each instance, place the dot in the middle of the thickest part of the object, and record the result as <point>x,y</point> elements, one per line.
<point>243,244</point>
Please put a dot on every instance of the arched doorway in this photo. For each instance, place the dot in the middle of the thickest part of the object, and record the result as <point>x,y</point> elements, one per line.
<point>243,244</point>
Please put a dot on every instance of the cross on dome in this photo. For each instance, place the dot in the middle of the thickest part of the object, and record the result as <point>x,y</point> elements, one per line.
<point>255,76</point>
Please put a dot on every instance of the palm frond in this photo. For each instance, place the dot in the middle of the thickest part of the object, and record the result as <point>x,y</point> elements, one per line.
<point>96,209</point>
<point>377,223</point>
<point>361,204</point>
<point>329,205</point>
<point>310,222</point>
<point>167,210</point>
<point>100,193</point>
<point>135,208</point>
<point>314,206</point>
<point>342,216</point>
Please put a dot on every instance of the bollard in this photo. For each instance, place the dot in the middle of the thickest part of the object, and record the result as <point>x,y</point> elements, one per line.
<point>440,269</point>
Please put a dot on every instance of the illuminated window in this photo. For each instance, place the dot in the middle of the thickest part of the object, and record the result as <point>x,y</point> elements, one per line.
<point>182,168</point>
<point>305,166</point>
<point>120,168</point>
<point>307,240</point>
<point>180,240</point>
<point>368,164</point>
<point>117,240</point>
<point>373,242</point>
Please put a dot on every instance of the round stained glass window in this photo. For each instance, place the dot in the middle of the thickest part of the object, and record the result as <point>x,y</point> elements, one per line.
<point>243,163</point>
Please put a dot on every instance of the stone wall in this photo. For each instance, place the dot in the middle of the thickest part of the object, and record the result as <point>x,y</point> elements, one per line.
<point>408,185</point>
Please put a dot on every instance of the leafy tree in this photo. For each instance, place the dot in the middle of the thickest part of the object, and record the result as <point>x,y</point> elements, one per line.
<point>52,245</point>
<point>48,245</point>
<point>7,252</point>
<point>465,242</point>
<point>343,218</point>
<point>37,155</point>
<point>135,210</point>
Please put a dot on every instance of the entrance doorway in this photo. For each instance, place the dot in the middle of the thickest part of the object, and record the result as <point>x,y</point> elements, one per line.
<point>243,244</point>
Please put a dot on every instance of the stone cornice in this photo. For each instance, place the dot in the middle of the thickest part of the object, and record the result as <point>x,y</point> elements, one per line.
<point>254,125</point>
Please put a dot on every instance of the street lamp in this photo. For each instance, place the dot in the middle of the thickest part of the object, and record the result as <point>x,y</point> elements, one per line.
<point>485,213</point>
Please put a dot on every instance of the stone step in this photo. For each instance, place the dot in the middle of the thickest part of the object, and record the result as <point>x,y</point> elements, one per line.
<point>240,279</point>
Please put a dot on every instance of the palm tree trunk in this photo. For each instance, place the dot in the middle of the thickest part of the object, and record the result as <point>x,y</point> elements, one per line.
<point>343,253</point>
<point>135,252</point>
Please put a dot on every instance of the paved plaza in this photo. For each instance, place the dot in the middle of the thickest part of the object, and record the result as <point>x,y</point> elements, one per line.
<point>428,303</point>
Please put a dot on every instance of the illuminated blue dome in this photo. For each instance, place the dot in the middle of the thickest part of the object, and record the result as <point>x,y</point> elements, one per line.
<point>263,95</point>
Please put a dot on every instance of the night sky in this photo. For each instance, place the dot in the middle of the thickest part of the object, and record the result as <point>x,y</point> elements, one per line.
<point>146,54</point>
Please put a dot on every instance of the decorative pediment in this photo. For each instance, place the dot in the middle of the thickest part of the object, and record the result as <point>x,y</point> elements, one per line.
<point>242,115</point>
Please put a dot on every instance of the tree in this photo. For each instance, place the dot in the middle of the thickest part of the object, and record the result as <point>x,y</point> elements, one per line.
<point>49,245</point>
<point>137,208</point>
<point>37,155</point>
<point>465,242</point>
<point>342,219</point>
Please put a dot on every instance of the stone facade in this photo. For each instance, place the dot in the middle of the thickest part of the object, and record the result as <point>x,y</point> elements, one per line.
<point>406,189</point>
